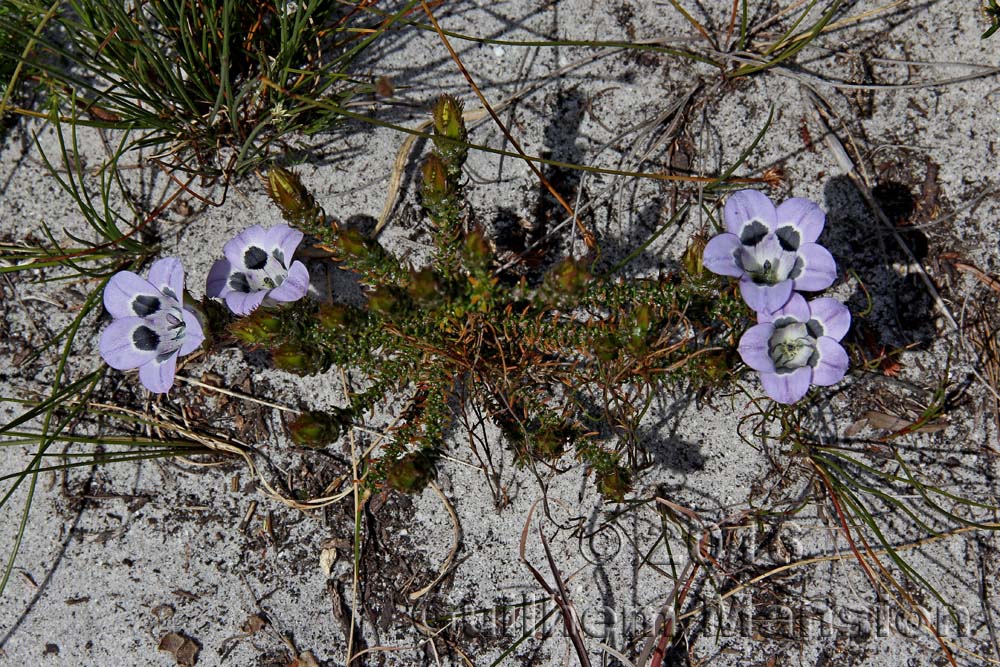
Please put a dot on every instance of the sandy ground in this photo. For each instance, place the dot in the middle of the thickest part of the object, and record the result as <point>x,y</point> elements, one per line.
<point>117,557</point>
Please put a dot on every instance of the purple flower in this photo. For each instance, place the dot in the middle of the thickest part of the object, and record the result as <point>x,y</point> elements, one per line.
<point>773,251</point>
<point>258,265</point>
<point>798,345</point>
<point>151,326</point>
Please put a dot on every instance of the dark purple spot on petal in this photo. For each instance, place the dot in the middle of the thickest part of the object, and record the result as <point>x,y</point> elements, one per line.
<point>753,233</point>
<point>145,305</point>
<point>145,339</point>
<point>815,328</point>
<point>254,258</point>
<point>789,238</point>
<point>278,255</point>
<point>238,283</point>
<point>797,268</point>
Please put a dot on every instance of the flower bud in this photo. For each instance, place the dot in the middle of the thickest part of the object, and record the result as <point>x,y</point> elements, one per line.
<point>713,366</point>
<point>258,328</point>
<point>550,441</point>
<point>424,287</point>
<point>477,251</point>
<point>383,300</point>
<point>352,242</point>
<point>448,121</point>
<point>639,330</point>
<point>411,472</point>
<point>299,359</point>
<point>615,484</point>
<point>606,347</point>
<point>290,357</point>
<point>314,429</point>
<point>569,277</point>
<point>287,191</point>
<point>450,134</point>
<point>332,315</point>
<point>436,186</point>
<point>692,258</point>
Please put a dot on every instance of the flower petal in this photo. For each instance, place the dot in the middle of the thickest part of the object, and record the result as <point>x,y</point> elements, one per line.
<point>754,347</point>
<point>218,279</point>
<point>787,388</point>
<point>128,295</point>
<point>118,344</point>
<point>194,335</point>
<point>720,253</point>
<point>236,248</point>
<point>745,207</point>
<point>765,298</point>
<point>167,275</point>
<point>296,285</point>
<point>832,317</point>
<point>818,269</point>
<point>285,240</point>
<point>158,375</point>
<point>795,308</point>
<point>804,217</point>
<point>244,303</point>
<point>832,364</point>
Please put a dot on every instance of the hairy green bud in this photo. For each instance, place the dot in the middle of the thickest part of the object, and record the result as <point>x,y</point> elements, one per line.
<point>412,472</point>
<point>615,484</point>
<point>424,287</point>
<point>639,330</point>
<point>437,187</point>
<point>384,300</point>
<point>314,429</point>
<point>258,328</point>
<point>333,315</point>
<point>285,188</point>
<point>448,121</point>
<point>299,359</point>
<point>449,133</point>
<point>476,250</point>
<point>691,260</point>
<point>569,278</point>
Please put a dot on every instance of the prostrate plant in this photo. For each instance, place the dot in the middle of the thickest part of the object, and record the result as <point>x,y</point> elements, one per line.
<point>565,361</point>
<point>536,355</point>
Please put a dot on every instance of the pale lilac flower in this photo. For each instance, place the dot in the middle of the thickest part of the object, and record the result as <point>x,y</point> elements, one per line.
<point>773,251</point>
<point>150,327</point>
<point>258,265</point>
<point>798,345</point>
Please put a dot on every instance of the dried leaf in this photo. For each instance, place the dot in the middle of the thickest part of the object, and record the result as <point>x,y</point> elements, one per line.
<point>254,624</point>
<point>327,559</point>
<point>184,649</point>
<point>896,424</point>
<point>886,422</point>
<point>305,659</point>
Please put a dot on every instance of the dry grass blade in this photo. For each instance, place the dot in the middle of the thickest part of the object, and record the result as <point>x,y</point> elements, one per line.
<point>456,537</point>
<point>559,595</point>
